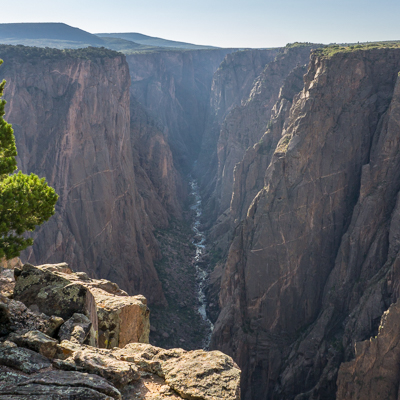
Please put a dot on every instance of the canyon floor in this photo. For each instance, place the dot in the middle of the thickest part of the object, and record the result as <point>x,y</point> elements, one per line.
<point>179,324</point>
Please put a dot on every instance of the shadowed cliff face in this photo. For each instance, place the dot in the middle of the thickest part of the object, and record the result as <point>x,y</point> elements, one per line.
<point>235,77</point>
<point>174,87</point>
<point>231,85</point>
<point>367,268</point>
<point>248,175</point>
<point>245,124</point>
<point>312,240</point>
<point>159,184</point>
<point>72,125</point>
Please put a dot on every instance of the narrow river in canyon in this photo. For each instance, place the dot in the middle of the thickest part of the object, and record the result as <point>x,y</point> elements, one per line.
<point>201,272</point>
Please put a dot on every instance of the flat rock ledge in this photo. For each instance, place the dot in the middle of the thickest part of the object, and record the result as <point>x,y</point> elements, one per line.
<point>36,363</point>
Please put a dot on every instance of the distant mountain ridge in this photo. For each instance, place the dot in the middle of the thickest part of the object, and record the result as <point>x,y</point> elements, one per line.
<point>50,30</point>
<point>153,41</point>
<point>61,36</point>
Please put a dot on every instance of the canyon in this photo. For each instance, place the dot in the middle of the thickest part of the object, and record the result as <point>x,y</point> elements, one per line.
<point>296,155</point>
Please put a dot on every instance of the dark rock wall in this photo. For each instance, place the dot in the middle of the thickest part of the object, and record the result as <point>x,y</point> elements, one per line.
<point>159,184</point>
<point>231,85</point>
<point>174,87</point>
<point>246,119</point>
<point>248,174</point>
<point>302,258</point>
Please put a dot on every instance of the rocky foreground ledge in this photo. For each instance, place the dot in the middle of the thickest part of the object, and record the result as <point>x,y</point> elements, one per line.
<point>66,336</point>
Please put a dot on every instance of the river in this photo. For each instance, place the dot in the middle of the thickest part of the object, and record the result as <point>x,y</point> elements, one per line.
<point>201,273</point>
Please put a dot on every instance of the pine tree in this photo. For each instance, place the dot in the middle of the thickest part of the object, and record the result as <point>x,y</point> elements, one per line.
<point>25,200</point>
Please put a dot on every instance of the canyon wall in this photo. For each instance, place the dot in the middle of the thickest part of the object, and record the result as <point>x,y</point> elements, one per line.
<point>174,88</point>
<point>158,182</point>
<point>70,112</point>
<point>238,119</point>
<point>245,125</point>
<point>231,85</point>
<point>309,270</point>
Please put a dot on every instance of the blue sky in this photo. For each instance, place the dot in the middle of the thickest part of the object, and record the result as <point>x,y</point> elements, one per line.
<point>233,23</point>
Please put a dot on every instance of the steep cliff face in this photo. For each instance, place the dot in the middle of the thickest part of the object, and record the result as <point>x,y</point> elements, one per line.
<point>316,235</point>
<point>231,85</point>
<point>70,113</point>
<point>159,184</point>
<point>374,373</point>
<point>235,77</point>
<point>245,125</point>
<point>367,266</point>
<point>248,175</point>
<point>174,87</point>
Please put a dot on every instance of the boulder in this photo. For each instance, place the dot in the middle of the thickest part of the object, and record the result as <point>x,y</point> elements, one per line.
<point>75,329</point>
<point>193,374</point>
<point>97,361</point>
<point>37,341</point>
<point>49,289</point>
<point>47,382</point>
<point>24,360</point>
<point>203,375</point>
<point>122,319</point>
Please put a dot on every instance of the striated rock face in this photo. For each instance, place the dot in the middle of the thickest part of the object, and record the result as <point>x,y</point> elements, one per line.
<point>174,87</point>
<point>61,385</point>
<point>245,124</point>
<point>158,183</point>
<point>235,77</point>
<point>230,86</point>
<point>71,116</point>
<point>248,175</point>
<point>374,373</point>
<point>310,268</point>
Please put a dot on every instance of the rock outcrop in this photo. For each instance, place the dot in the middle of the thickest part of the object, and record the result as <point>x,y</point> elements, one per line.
<point>70,112</point>
<point>50,292</point>
<point>34,364</point>
<point>311,267</point>
<point>99,306</point>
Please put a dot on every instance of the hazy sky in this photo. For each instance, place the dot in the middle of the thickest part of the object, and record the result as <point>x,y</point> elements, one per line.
<point>225,23</point>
